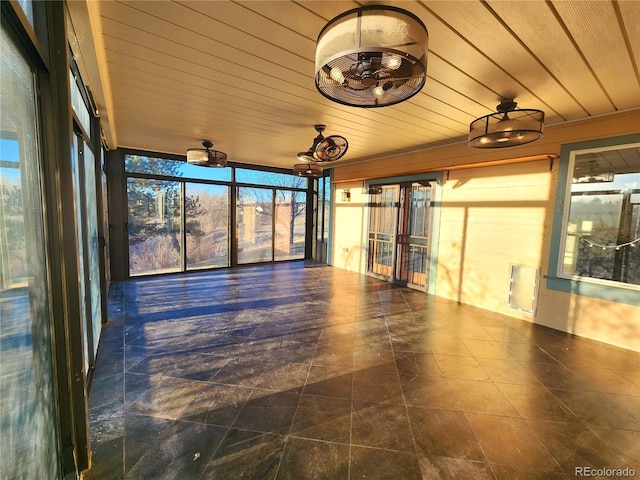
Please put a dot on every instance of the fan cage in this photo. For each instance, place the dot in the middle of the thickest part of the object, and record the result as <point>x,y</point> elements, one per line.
<point>331,148</point>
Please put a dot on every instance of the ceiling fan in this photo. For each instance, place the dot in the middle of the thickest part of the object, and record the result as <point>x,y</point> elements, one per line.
<point>325,149</point>
<point>205,157</point>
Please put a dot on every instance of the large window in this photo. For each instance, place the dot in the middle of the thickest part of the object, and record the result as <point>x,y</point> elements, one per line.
<point>603,217</point>
<point>179,215</point>
<point>598,235</point>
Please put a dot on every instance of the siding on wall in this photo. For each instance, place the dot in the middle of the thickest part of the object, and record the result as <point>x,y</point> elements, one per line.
<point>492,217</point>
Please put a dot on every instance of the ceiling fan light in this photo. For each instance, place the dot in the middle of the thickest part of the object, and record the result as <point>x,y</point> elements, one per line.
<point>197,156</point>
<point>364,48</point>
<point>508,127</point>
<point>392,62</point>
<point>337,75</point>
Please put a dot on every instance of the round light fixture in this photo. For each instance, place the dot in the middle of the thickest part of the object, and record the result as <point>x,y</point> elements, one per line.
<point>508,127</point>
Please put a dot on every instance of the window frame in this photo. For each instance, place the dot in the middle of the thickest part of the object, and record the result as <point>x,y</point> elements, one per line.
<point>580,285</point>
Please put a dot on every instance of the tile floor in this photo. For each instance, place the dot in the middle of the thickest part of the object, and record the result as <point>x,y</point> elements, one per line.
<point>302,371</point>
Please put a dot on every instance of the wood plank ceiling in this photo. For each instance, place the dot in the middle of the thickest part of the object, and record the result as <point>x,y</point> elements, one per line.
<point>241,73</point>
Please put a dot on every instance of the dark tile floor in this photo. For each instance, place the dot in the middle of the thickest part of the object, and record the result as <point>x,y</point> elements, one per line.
<point>302,371</point>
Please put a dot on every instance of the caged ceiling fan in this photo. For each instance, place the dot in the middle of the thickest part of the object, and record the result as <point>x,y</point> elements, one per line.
<point>325,149</point>
<point>372,56</point>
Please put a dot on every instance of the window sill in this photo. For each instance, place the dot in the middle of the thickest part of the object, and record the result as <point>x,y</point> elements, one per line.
<point>613,293</point>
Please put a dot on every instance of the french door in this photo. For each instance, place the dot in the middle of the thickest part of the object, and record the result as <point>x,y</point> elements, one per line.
<point>399,233</point>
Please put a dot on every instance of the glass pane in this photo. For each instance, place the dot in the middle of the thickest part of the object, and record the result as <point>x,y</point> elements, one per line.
<point>13,254</point>
<point>254,214</point>
<point>27,7</point>
<point>174,168</point>
<point>326,203</point>
<point>207,225</point>
<point>82,286</point>
<point>388,210</point>
<point>27,419</point>
<point>79,107</point>
<point>257,177</point>
<point>602,228</point>
<point>419,202</point>
<point>290,224</point>
<point>93,245</point>
<point>155,234</point>
<point>319,209</point>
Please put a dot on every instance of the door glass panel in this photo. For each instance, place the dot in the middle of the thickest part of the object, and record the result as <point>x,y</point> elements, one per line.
<point>290,224</point>
<point>155,233</point>
<point>413,235</point>
<point>254,225</point>
<point>383,218</point>
<point>27,419</point>
<point>207,225</point>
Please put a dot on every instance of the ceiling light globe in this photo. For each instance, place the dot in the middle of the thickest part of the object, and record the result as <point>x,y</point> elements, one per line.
<point>393,62</point>
<point>337,75</point>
